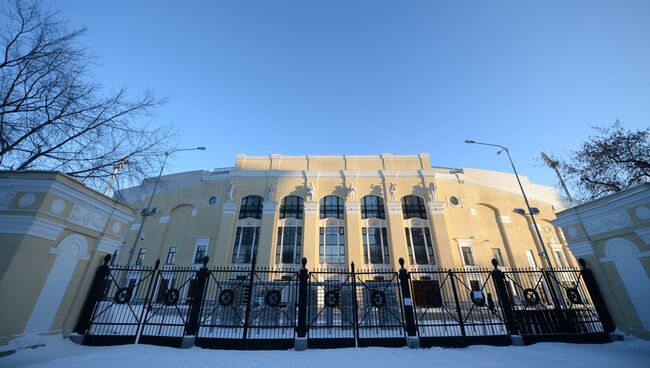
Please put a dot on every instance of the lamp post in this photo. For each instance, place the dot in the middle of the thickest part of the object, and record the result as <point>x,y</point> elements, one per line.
<point>146,212</point>
<point>531,211</point>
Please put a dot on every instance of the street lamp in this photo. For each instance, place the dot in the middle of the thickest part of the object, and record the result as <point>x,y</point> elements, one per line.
<point>531,210</point>
<point>146,212</point>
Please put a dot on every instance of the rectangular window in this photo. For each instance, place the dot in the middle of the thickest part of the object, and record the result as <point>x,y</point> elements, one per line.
<point>171,256</point>
<point>288,245</point>
<point>245,247</point>
<point>332,245</point>
<point>140,258</point>
<point>468,257</point>
<point>496,254</point>
<point>200,253</point>
<point>375,245</point>
<point>475,285</point>
<point>531,258</point>
<point>419,246</point>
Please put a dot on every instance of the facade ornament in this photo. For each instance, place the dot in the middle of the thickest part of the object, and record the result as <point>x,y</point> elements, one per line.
<point>231,190</point>
<point>353,191</point>
<point>310,189</point>
<point>392,188</point>
<point>271,191</point>
<point>432,191</point>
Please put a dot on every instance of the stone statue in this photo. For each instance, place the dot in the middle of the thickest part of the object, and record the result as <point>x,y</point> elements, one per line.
<point>231,190</point>
<point>310,189</point>
<point>353,191</point>
<point>392,189</point>
<point>432,191</point>
<point>271,192</point>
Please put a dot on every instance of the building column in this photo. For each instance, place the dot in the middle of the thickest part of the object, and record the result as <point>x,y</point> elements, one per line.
<point>265,243</point>
<point>353,241</point>
<point>441,243</point>
<point>221,251</point>
<point>310,235</point>
<point>396,234</point>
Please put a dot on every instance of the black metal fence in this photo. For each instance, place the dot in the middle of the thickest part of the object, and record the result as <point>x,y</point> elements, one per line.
<point>258,308</point>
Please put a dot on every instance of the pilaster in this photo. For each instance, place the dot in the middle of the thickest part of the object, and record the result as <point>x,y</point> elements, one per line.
<point>310,234</point>
<point>265,243</point>
<point>396,234</point>
<point>353,241</point>
<point>440,236</point>
<point>221,250</point>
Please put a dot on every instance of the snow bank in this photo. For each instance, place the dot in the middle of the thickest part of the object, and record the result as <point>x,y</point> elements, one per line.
<point>63,353</point>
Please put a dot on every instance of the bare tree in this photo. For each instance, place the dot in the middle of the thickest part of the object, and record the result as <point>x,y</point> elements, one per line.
<point>54,116</point>
<point>614,159</point>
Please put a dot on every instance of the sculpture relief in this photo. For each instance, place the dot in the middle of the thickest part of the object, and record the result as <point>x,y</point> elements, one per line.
<point>432,191</point>
<point>392,188</point>
<point>352,192</point>
<point>87,218</point>
<point>311,190</point>
<point>271,192</point>
<point>231,190</point>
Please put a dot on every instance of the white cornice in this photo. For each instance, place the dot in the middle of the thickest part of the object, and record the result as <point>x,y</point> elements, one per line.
<point>582,249</point>
<point>52,186</point>
<point>108,245</point>
<point>30,225</point>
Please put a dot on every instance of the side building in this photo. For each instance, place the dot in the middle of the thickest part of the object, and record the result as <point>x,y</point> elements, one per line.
<point>337,209</point>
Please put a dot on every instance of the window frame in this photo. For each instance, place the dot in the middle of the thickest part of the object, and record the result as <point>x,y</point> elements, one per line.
<point>322,245</point>
<point>237,247</point>
<point>384,247</point>
<point>332,210</point>
<point>251,206</point>
<point>172,255</point>
<point>142,252</point>
<point>297,245</point>
<point>292,210</point>
<point>370,209</point>
<point>428,245</point>
<point>414,210</point>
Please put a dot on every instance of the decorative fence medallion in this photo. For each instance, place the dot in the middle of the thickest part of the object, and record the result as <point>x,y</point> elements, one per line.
<point>573,295</point>
<point>377,299</point>
<point>531,296</point>
<point>172,296</point>
<point>332,298</point>
<point>226,298</point>
<point>273,298</point>
<point>122,295</point>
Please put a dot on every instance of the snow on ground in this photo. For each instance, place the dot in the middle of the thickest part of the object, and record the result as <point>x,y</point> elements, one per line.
<point>63,353</point>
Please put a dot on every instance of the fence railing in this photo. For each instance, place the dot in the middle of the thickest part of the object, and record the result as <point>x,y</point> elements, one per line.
<point>260,308</point>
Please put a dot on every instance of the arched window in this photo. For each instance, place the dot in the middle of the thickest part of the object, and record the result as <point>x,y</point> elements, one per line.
<point>251,207</point>
<point>413,206</point>
<point>292,206</point>
<point>372,207</point>
<point>331,207</point>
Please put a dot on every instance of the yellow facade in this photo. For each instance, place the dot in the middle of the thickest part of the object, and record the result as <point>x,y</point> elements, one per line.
<point>54,233</point>
<point>460,210</point>
<point>612,234</point>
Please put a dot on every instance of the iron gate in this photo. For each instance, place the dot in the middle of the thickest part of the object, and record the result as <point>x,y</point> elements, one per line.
<point>349,308</point>
<point>457,308</point>
<point>116,317</point>
<point>552,303</point>
<point>251,309</point>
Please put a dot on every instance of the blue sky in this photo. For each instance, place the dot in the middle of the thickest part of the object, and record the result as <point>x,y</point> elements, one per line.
<point>361,77</point>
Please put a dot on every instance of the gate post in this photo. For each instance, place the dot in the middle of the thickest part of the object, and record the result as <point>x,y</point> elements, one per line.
<point>95,294</point>
<point>355,306</point>
<point>506,306</point>
<point>301,327</point>
<point>461,323</point>
<point>412,340</point>
<point>198,292</point>
<point>596,297</point>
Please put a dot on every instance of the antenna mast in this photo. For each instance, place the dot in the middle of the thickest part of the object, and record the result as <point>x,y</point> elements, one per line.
<point>554,164</point>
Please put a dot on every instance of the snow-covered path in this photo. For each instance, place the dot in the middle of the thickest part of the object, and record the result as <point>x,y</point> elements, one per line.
<point>63,353</point>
